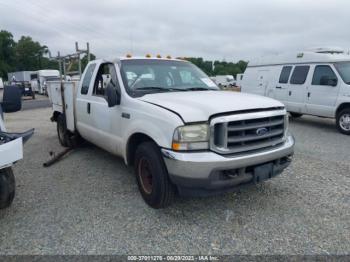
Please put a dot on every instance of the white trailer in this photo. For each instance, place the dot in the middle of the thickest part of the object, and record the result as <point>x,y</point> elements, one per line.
<point>19,76</point>
<point>39,79</point>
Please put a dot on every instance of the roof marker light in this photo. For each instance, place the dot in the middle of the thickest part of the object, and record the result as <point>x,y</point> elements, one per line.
<point>128,55</point>
<point>168,56</point>
<point>148,56</point>
<point>159,56</point>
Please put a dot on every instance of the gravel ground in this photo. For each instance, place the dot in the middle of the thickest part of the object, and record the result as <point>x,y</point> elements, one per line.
<point>89,203</point>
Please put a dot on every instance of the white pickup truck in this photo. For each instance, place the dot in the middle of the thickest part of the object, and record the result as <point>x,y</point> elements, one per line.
<point>11,145</point>
<point>172,123</point>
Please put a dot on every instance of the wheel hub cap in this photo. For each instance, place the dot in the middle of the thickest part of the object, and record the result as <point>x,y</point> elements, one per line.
<point>145,175</point>
<point>345,122</point>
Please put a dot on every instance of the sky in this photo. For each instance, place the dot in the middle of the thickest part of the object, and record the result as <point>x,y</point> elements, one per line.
<point>215,30</point>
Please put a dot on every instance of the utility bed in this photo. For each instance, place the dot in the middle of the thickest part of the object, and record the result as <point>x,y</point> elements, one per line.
<point>70,91</point>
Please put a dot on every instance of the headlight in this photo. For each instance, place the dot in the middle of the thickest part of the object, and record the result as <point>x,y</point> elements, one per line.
<point>191,137</point>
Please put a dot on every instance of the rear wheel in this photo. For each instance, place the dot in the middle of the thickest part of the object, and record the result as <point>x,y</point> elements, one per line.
<point>343,121</point>
<point>7,187</point>
<point>62,131</point>
<point>295,115</point>
<point>152,176</point>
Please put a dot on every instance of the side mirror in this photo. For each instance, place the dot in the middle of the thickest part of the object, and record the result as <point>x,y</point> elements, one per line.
<point>12,99</point>
<point>113,96</point>
<point>333,82</point>
<point>327,81</point>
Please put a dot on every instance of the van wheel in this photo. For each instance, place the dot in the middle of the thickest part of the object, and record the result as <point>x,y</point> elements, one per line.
<point>62,132</point>
<point>343,121</point>
<point>7,187</point>
<point>152,176</point>
<point>295,115</point>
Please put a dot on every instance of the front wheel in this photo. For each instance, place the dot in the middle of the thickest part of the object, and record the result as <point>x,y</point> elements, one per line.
<point>7,187</point>
<point>343,121</point>
<point>152,176</point>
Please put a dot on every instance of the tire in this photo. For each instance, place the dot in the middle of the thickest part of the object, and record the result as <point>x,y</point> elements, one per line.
<point>295,115</point>
<point>343,121</point>
<point>62,132</point>
<point>152,176</point>
<point>7,187</point>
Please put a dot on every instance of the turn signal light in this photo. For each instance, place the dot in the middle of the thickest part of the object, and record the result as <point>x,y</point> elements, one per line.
<point>176,146</point>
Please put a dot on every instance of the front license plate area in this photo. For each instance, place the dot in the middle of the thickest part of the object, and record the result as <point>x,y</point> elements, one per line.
<point>263,172</point>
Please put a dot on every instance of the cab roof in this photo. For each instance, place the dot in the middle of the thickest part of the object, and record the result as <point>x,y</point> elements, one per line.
<point>124,58</point>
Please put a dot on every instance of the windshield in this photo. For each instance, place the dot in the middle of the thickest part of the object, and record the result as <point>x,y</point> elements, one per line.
<point>344,71</point>
<point>143,76</point>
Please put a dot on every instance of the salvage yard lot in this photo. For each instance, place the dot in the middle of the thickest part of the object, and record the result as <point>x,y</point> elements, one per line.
<point>89,203</point>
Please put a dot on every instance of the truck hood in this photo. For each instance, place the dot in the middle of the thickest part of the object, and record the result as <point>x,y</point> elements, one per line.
<point>198,106</point>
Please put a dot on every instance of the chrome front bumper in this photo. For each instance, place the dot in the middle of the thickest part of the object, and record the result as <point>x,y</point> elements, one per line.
<point>201,166</point>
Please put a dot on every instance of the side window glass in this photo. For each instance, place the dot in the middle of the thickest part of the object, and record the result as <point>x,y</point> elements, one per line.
<point>324,76</point>
<point>299,75</point>
<point>285,74</point>
<point>87,79</point>
<point>106,75</point>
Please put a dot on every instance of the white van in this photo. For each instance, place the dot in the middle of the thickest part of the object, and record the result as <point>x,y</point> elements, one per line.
<point>38,79</point>
<point>1,84</point>
<point>314,83</point>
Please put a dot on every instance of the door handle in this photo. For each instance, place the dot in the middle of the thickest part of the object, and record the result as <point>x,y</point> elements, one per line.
<point>88,108</point>
<point>308,94</point>
<point>279,87</point>
<point>290,93</point>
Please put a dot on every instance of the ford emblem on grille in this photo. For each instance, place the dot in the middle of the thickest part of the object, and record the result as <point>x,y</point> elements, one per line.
<point>261,131</point>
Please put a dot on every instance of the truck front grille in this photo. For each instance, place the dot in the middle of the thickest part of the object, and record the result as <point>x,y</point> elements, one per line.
<point>246,132</point>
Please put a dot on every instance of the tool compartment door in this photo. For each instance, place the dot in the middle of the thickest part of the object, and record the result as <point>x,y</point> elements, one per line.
<point>69,99</point>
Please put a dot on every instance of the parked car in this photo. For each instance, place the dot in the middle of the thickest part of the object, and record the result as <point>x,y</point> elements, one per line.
<point>171,122</point>
<point>11,146</point>
<point>1,84</point>
<point>313,83</point>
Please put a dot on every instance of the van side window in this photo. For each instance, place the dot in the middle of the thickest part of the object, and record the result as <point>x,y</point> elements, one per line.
<point>87,79</point>
<point>299,75</point>
<point>106,75</point>
<point>323,75</point>
<point>285,74</point>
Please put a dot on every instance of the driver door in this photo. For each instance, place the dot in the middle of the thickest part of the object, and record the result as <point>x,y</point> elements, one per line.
<point>323,92</point>
<point>105,121</point>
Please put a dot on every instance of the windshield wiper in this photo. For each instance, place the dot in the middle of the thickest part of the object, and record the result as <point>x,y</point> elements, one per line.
<point>145,88</point>
<point>198,89</point>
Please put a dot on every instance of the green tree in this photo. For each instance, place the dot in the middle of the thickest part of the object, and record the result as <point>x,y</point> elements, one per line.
<point>7,53</point>
<point>29,54</point>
